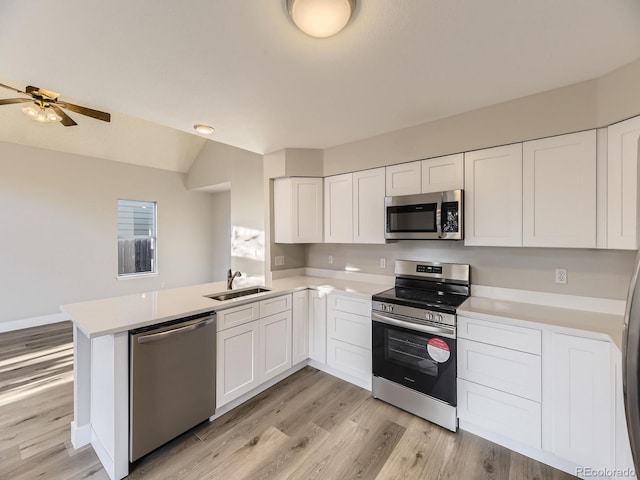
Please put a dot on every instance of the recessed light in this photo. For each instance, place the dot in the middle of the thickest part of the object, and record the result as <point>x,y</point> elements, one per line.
<point>204,129</point>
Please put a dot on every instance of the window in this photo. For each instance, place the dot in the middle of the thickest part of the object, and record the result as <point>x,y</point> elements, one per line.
<point>136,237</point>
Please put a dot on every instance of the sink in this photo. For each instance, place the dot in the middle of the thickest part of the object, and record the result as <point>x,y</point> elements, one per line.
<point>228,295</point>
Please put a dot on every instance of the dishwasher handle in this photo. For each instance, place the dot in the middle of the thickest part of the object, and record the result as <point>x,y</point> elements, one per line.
<point>154,337</point>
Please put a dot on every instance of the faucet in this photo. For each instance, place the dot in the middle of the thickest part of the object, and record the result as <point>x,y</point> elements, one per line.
<point>231,278</point>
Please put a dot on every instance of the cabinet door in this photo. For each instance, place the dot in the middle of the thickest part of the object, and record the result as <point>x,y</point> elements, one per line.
<point>622,180</point>
<point>275,346</point>
<point>404,179</point>
<point>559,191</point>
<point>493,196</point>
<point>581,391</point>
<point>338,209</point>
<point>238,362</point>
<point>297,210</point>
<point>368,206</point>
<point>317,326</point>
<point>349,328</point>
<point>300,327</point>
<point>443,173</point>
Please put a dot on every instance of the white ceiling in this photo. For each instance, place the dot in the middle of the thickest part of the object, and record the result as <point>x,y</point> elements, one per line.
<point>244,68</point>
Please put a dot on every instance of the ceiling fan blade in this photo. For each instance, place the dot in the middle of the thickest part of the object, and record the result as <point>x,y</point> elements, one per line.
<point>67,121</point>
<point>7,101</point>
<point>11,88</point>
<point>89,112</point>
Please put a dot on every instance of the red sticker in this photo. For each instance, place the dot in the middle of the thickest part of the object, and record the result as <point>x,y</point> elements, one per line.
<point>438,350</point>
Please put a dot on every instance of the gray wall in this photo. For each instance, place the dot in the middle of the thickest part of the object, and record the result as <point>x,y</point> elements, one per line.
<point>219,164</point>
<point>221,235</point>
<point>592,273</point>
<point>59,230</point>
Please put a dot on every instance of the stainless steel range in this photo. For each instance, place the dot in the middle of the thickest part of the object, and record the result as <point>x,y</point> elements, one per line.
<point>414,339</point>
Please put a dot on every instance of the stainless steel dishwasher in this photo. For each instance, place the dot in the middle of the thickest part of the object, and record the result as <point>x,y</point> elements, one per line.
<point>172,380</point>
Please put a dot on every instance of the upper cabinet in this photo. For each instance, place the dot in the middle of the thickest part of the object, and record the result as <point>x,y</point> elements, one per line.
<point>443,173</point>
<point>297,205</point>
<point>559,191</point>
<point>338,209</point>
<point>493,196</point>
<point>622,182</point>
<point>404,179</point>
<point>368,206</point>
<point>354,207</point>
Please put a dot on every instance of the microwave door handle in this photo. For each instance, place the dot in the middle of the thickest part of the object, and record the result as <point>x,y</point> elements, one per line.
<point>439,216</point>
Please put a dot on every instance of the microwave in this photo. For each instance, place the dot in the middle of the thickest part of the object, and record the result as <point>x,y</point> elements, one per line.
<point>425,216</point>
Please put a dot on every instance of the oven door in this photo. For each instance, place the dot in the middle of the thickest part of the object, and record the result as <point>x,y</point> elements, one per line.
<point>419,356</point>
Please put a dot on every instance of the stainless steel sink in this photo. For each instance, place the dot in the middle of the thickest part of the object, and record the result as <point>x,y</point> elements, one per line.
<point>228,295</point>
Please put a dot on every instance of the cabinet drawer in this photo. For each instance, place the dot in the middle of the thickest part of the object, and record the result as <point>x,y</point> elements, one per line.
<point>231,317</point>
<point>512,372</point>
<point>275,305</point>
<point>349,303</point>
<point>349,358</point>
<point>501,334</point>
<point>350,328</point>
<point>506,415</point>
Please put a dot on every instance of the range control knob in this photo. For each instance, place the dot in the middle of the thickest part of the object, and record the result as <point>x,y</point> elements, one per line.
<point>429,316</point>
<point>439,317</point>
<point>390,308</point>
<point>383,307</point>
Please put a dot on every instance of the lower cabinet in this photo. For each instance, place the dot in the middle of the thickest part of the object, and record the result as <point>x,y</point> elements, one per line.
<point>318,326</point>
<point>275,343</point>
<point>238,361</point>
<point>300,327</point>
<point>581,393</point>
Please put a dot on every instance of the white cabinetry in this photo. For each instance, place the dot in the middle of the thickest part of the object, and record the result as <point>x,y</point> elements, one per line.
<point>581,392</point>
<point>368,206</point>
<point>559,191</point>
<point>499,379</point>
<point>349,335</point>
<point>300,326</point>
<point>275,340</point>
<point>443,173</point>
<point>297,205</point>
<point>317,326</point>
<point>493,196</point>
<point>338,209</point>
<point>622,180</point>
<point>404,179</point>
<point>238,362</point>
<point>252,347</point>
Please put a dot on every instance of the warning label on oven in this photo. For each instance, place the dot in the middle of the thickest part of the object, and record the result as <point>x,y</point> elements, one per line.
<point>438,350</point>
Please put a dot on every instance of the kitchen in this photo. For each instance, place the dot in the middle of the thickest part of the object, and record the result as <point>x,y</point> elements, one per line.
<point>92,185</point>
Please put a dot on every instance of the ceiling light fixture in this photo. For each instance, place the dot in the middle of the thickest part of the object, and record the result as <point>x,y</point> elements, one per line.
<point>41,113</point>
<point>321,18</point>
<point>204,129</point>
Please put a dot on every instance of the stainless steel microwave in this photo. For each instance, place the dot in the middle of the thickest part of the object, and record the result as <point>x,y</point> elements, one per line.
<point>426,216</point>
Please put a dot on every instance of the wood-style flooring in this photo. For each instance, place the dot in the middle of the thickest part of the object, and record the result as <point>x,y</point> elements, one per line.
<point>309,426</point>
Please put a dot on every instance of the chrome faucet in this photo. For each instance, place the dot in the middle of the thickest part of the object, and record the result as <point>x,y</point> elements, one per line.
<point>231,278</point>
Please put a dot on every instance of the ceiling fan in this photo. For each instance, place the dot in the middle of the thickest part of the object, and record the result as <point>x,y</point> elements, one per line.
<point>45,106</point>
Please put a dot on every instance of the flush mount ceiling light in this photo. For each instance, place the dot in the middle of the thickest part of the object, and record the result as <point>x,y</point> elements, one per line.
<point>321,18</point>
<point>204,129</point>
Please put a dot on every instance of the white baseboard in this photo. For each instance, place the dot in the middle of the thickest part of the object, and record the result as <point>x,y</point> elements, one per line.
<point>576,302</point>
<point>32,322</point>
<point>103,454</point>
<point>80,436</point>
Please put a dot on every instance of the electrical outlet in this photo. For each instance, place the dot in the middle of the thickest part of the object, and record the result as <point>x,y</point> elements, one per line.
<point>330,259</point>
<point>279,260</point>
<point>561,276</point>
<point>383,262</point>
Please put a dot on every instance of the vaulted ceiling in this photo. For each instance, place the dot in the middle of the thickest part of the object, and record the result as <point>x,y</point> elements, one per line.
<point>243,67</point>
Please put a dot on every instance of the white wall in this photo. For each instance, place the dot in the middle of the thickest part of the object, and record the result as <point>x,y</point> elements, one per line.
<point>58,232</point>
<point>221,235</point>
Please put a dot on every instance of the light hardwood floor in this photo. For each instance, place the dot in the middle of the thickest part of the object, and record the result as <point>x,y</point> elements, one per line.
<point>309,426</point>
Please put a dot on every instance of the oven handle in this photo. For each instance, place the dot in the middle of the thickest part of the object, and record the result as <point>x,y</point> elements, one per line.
<point>442,331</point>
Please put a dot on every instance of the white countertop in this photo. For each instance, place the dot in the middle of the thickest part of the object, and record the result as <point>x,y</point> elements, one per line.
<point>119,314</point>
<point>518,312</point>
